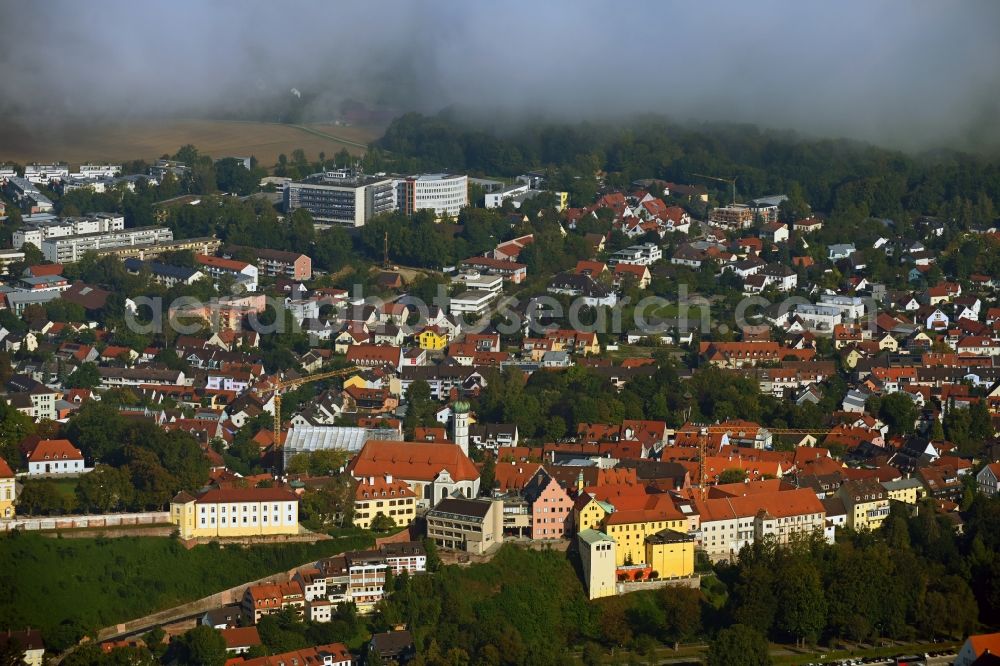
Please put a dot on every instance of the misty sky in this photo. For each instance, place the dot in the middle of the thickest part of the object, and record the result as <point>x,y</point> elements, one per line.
<point>906,73</point>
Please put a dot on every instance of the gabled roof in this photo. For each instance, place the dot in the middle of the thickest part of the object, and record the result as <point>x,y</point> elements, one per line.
<point>413,461</point>
<point>55,449</point>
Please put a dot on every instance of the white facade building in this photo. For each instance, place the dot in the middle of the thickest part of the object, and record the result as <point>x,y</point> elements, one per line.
<point>69,249</point>
<point>443,193</point>
<point>643,255</point>
<point>496,199</point>
<point>43,174</point>
<point>55,456</point>
<point>852,307</point>
<point>100,170</point>
<point>819,317</point>
<point>472,302</point>
<point>41,230</point>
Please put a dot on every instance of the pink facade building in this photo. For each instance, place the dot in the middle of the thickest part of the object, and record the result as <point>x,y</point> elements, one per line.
<point>551,507</point>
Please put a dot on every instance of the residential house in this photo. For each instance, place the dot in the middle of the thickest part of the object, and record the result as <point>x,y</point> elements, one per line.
<point>867,503</point>
<point>52,457</point>
<point>551,507</point>
<point>774,232</point>
<point>29,641</point>
<point>270,598</point>
<point>592,292</point>
<point>987,481</point>
<point>433,338</point>
<point>332,654</point>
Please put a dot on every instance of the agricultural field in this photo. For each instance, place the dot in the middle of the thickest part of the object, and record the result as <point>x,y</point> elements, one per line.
<point>151,139</point>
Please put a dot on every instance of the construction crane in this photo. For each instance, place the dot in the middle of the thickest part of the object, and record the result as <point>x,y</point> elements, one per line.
<point>295,383</point>
<point>731,181</point>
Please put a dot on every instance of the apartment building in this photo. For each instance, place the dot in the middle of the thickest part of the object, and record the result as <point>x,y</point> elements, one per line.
<point>100,170</point>
<point>508,270</point>
<point>278,263</point>
<point>729,523</point>
<point>384,495</point>
<point>200,245</point>
<point>70,249</point>
<point>242,272</point>
<point>27,196</point>
<point>37,231</point>
<point>269,598</point>
<point>472,302</point>
<point>341,197</point>
<point>359,576</point>
<point>867,503</point>
<point>167,275</point>
<point>235,512</point>
<point>43,174</point>
<point>736,216</point>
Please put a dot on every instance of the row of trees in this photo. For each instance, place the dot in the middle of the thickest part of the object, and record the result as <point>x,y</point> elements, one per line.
<point>139,466</point>
<point>850,180</point>
<point>550,405</point>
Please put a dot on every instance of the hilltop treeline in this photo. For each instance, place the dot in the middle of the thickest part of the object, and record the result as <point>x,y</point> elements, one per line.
<point>834,176</point>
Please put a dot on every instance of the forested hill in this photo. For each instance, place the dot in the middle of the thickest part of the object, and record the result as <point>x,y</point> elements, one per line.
<point>835,176</point>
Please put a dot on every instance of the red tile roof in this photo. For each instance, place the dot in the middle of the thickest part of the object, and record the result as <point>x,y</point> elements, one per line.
<point>224,495</point>
<point>55,449</point>
<point>379,487</point>
<point>219,262</point>
<point>413,461</point>
<point>240,637</point>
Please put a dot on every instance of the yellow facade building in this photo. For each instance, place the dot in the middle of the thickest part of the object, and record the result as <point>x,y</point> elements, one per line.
<point>390,497</point>
<point>670,554</point>
<point>867,504</point>
<point>8,491</point>
<point>432,338</point>
<point>235,512</point>
<point>630,529</point>
<point>588,513</point>
<point>907,491</point>
<point>355,381</point>
<point>562,200</point>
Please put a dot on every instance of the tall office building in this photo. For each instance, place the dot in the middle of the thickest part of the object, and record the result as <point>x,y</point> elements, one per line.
<point>341,197</point>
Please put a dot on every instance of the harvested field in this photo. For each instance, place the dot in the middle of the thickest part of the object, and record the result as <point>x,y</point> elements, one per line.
<point>150,140</point>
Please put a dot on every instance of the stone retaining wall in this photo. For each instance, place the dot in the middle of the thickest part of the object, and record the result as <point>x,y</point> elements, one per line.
<point>83,522</point>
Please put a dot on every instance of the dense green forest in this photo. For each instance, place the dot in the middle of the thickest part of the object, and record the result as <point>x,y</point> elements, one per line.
<point>832,175</point>
<point>67,587</point>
